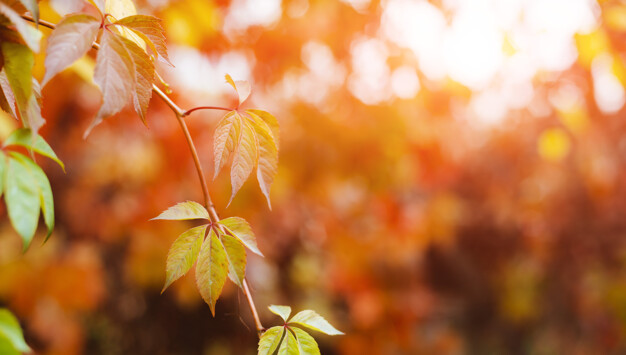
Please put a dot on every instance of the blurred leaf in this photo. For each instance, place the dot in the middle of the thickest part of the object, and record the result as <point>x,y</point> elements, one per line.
<point>270,340</point>
<point>184,210</point>
<point>10,328</point>
<point>99,5</point>
<point>244,159</point>
<point>29,34</point>
<point>267,166</point>
<point>7,99</point>
<point>242,88</point>
<point>22,199</point>
<point>306,343</point>
<point>69,41</point>
<point>240,228</point>
<point>114,74</point>
<point>289,345</point>
<point>150,30</point>
<point>45,191</point>
<point>23,137</point>
<point>211,270</point>
<point>236,255</point>
<point>120,8</point>
<point>314,321</point>
<point>225,140</point>
<point>32,7</point>
<point>144,76</point>
<point>183,254</point>
<point>282,311</point>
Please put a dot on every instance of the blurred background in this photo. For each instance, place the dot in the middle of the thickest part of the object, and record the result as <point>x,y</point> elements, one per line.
<point>452,180</point>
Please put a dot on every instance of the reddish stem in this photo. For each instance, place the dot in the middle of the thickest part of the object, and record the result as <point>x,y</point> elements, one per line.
<point>188,112</point>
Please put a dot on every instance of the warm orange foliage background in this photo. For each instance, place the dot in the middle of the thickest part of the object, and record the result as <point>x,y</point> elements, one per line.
<point>455,214</point>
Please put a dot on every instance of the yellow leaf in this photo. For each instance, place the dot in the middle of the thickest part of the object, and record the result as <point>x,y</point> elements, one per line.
<point>553,144</point>
<point>120,9</point>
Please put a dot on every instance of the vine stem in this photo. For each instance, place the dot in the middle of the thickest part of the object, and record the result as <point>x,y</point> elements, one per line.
<point>180,114</point>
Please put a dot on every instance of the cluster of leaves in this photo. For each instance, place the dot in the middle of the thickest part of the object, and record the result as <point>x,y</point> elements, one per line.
<point>291,340</point>
<point>124,68</point>
<point>219,254</point>
<point>11,338</point>
<point>250,138</point>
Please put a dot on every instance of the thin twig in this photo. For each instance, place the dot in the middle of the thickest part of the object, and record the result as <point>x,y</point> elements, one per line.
<point>180,114</point>
<point>206,108</point>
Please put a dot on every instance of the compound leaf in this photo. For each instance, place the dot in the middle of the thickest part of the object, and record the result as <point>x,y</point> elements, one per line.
<point>312,320</point>
<point>270,340</point>
<point>282,311</point>
<point>306,343</point>
<point>184,210</point>
<point>289,345</point>
<point>70,40</point>
<point>211,270</point>
<point>240,228</point>
<point>183,254</point>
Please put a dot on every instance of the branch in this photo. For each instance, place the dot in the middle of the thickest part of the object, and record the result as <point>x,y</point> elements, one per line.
<point>180,114</point>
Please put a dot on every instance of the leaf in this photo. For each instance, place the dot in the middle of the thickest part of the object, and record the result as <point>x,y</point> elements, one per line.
<point>18,63</point>
<point>29,34</point>
<point>6,348</point>
<point>267,166</point>
<point>314,321</point>
<point>183,254</point>
<point>22,198</point>
<point>282,311</point>
<point>144,76</point>
<point>306,343</point>
<point>236,255</point>
<point>184,210</point>
<point>225,140</point>
<point>244,159</point>
<point>44,190</point>
<point>120,8</point>
<point>240,228</point>
<point>3,170</point>
<point>10,328</point>
<point>99,5</point>
<point>271,122</point>
<point>70,40</point>
<point>114,75</point>
<point>149,28</point>
<point>270,340</point>
<point>211,270</point>
<point>32,7</point>
<point>24,137</point>
<point>289,345</point>
<point>242,88</point>
<point>8,98</point>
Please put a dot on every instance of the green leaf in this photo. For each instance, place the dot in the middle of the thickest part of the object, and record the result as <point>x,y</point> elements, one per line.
<point>70,40</point>
<point>282,311</point>
<point>32,7</point>
<point>115,76</point>
<point>289,345</point>
<point>10,329</point>
<point>271,122</point>
<point>183,254</point>
<point>29,34</point>
<point>6,348</point>
<point>22,199</point>
<point>24,137</point>
<point>306,343</point>
<point>240,228</point>
<point>236,255</point>
<point>225,140</point>
<point>314,321</point>
<point>150,30</point>
<point>270,340</point>
<point>18,63</point>
<point>244,159</point>
<point>144,76</point>
<point>267,166</point>
<point>211,270</point>
<point>184,210</point>
<point>45,192</point>
<point>242,88</point>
